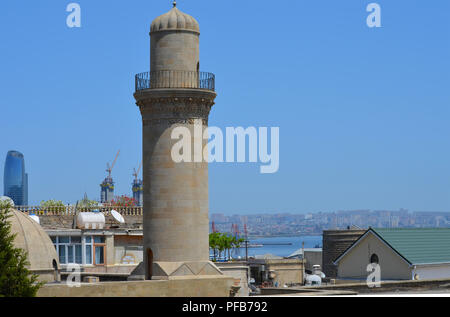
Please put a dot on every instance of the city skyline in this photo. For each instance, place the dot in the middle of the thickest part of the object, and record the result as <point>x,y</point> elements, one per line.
<point>377,140</point>
<point>288,224</point>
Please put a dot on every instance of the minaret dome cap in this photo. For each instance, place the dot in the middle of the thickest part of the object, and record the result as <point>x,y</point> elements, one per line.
<point>175,20</point>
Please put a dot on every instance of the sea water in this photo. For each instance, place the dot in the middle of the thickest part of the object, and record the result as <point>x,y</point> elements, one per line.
<point>279,246</point>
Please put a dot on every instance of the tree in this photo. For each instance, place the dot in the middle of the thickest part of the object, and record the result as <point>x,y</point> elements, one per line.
<point>220,242</point>
<point>237,242</point>
<point>15,279</point>
<point>227,244</point>
<point>52,205</point>
<point>87,203</point>
<point>213,242</point>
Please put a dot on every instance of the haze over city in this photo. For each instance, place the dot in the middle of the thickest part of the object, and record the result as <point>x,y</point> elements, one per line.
<point>344,145</point>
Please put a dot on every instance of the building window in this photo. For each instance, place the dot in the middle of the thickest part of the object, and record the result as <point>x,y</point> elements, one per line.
<point>374,259</point>
<point>88,251</point>
<point>80,250</point>
<point>68,249</point>
<point>62,254</point>
<point>99,250</point>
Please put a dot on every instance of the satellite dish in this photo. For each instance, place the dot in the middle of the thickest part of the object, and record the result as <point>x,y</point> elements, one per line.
<point>117,216</point>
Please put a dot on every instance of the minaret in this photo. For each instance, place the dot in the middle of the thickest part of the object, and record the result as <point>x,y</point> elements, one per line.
<point>174,94</point>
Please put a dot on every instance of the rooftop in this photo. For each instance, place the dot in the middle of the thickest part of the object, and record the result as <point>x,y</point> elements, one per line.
<point>175,20</point>
<point>419,245</point>
<point>299,252</point>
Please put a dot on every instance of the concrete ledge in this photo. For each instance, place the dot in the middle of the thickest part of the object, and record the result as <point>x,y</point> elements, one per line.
<point>273,292</point>
<point>360,287</point>
<point>240,272</point>
<point>389,286</point>
<point>197,286</point>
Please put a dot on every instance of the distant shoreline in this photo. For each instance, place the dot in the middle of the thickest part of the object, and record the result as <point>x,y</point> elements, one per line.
<point>285,236</point>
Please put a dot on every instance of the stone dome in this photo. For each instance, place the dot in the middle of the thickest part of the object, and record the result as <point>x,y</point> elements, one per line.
<point>175,20</point>
<point>35,241</point>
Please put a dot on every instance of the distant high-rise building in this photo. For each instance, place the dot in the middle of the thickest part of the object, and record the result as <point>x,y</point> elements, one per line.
<point>15,179</point>
<point>107,186</point>
<point>138,192</point>
<point>107,190</point>
<point>138,187</point>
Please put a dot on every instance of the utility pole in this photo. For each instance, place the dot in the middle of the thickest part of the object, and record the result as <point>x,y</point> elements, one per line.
<point>246,243</point>
<point>303,262</point>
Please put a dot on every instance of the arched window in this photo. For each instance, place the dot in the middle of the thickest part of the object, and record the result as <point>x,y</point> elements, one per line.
<point>55,270</point>
<point>374,259</point>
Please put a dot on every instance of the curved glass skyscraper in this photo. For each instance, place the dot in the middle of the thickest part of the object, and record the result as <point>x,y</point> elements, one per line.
<point>15,179</point>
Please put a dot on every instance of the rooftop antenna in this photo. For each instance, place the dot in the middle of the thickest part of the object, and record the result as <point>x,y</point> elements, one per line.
<point>303,262</point>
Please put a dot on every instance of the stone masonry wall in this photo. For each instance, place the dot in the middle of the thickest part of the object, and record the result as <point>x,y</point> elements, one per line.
<point>335,242</point>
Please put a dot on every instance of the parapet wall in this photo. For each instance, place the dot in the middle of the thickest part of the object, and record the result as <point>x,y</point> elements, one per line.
<point>240,273</point>
<point>389,286</point>
<point>199,286</point>
<point>360,287</point>
<point>49,222</point>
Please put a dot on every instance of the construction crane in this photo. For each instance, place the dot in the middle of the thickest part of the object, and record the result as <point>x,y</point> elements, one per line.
<point>109,168</point>
<point>136,173</point>
<point>235,230</point>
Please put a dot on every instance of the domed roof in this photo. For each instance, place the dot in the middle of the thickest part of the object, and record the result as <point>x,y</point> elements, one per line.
<point>174,20</point>
<point>35,241</point>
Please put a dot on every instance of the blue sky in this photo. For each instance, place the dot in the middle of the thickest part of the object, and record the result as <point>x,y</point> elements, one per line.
<point>363,112</point>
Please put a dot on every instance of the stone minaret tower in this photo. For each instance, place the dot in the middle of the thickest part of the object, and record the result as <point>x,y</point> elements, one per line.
<point>174,94</point>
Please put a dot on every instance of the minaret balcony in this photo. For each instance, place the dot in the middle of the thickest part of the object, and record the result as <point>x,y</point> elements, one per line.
<point>168,79</point>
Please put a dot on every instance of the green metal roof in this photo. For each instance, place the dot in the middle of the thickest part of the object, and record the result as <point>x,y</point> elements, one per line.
<point>419,245</point>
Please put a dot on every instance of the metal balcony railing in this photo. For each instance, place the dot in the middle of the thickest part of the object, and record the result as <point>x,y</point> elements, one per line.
<point>175,79</point>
